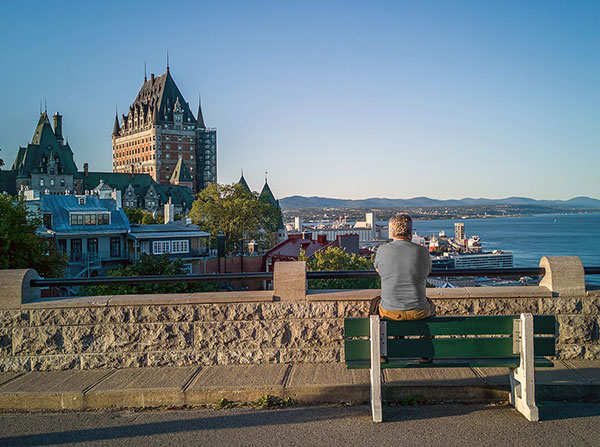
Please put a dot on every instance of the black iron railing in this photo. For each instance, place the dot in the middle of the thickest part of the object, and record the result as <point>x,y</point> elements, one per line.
<point>339,274</point>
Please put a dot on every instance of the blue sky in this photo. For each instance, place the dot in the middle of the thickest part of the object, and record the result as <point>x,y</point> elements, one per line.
<point>332,98</point>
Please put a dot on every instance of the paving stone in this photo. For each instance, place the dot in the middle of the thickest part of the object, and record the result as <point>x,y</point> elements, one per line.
<point>141,387</point>
<point>589,369</point>
<point>242,383</point>
<point>6,376</point>
<point>52,390</point>
<point>431,376</point>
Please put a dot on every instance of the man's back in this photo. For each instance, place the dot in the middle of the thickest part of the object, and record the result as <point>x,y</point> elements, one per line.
<point>403,267</point>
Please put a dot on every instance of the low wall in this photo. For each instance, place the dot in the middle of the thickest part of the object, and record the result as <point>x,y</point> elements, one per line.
<point>245,327</point>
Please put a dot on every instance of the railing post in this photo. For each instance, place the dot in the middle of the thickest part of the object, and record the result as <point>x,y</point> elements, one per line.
<point>15,289</point>
<point>564,275</point>
<point>289,280</point>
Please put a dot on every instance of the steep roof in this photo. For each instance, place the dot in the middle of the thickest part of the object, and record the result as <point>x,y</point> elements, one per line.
<point>266,196</point>
<point>61,205</point>
<point>244,183</point>
<point>44,146</point>
<point>180,173</point>
<point>162,92</point>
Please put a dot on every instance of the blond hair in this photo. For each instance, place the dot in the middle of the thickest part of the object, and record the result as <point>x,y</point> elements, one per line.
<point>400,225</point>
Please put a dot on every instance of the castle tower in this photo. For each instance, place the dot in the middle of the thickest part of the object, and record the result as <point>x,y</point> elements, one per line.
<point>159,131</point>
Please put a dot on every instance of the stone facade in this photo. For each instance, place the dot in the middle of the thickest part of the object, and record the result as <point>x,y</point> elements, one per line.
<point>119,332</point>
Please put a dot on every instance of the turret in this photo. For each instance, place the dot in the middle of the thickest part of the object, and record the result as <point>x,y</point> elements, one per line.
<point>57,118</point>
<point>116,127</point>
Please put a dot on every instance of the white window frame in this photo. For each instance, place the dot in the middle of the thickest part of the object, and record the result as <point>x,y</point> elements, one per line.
<point>180,246</point>
<point>161,247</point>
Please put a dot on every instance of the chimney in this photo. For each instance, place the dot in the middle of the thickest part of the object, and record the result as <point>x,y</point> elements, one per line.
<point>322,239</point>
<point>57,118</point>
<point>152,78</point>
<point>132,173</point>
<point>307,235</point>
<point>116,194</point>
<point>169,212</point>
<point>85,170</point>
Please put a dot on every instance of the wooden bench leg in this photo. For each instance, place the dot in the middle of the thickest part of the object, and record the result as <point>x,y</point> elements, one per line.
<point>375,329</point>
<point>522,381</point>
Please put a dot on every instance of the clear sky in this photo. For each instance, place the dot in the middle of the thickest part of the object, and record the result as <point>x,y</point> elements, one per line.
<point>445,99</point>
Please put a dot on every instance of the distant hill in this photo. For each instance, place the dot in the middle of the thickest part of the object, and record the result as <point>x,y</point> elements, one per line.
<point>297,202</point>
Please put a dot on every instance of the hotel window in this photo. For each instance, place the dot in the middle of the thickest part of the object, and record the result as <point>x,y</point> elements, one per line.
<point>51,182</point>
<point>168,146</point>
<point>62,182</point>
<point>41,182</point>
<point>179,139</point>
<point>178,148</point>
<point>161,247</point>
<point>180,246</point>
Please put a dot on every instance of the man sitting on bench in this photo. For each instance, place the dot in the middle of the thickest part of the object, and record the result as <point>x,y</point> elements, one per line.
<point>403,268</point>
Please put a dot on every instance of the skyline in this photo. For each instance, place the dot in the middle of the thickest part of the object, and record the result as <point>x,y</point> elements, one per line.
<point>461,100</point>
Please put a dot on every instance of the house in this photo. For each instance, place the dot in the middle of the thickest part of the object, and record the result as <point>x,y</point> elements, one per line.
<point>90,229</point>
<point>179,239</point>
<point>289,250</point>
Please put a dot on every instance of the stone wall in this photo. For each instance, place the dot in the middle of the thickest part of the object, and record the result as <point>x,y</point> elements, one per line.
<point>115,332</point>
<point>285,325</point>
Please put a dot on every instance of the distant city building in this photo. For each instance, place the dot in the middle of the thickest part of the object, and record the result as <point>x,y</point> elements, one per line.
<point>459,233</point>
<point>289,249</point>
<point>161,137</point>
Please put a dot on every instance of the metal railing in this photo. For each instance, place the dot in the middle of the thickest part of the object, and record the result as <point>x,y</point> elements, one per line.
<point>338,274</point>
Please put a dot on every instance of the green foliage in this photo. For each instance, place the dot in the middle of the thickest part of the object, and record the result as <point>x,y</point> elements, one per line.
<point>335,258</point>
<point>265,401</point>
<point>142,217</point>
<point>232,210</point>
<point>20,247</point>
<point>149,265</point>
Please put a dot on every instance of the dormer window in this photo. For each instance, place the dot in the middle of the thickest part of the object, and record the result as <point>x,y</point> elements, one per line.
<point>41,182</point>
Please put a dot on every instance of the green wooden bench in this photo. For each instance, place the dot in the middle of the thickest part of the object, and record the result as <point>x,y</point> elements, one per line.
<point>518,342</point>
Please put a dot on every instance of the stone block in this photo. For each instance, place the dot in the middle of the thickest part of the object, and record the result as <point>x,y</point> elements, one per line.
<point>561,305</point>
<point>591,305</point>
<point>54,362</point>
<point>163,314</point>
<point>211,312</point>
<point>448,307</point>
<point>181,358</point>
<point>248,357</point>
<point>113,360</point>
<point>79,316</point>
<point>289,281</point>
<point>14,364</point>
<point>564,275</point>
<point>353,309</point>
<point>570,351</point>
<point>14,318</point>
<point>15,289</point>
<point>45,340</point>
<point>592,351</point>
<point>328,354</point>
<point>5,342</point>
<point>506,306</point>
<point>575,329</point>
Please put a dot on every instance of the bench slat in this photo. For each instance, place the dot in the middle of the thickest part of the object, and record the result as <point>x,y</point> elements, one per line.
<point>511,362</point>
<point>468,325</point>
<point>446,347</point>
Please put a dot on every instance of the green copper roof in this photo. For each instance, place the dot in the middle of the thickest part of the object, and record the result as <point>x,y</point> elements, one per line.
<point>180,173</point>
<point>244,183</point>
<point>43,147</point>
<point>266,195</point>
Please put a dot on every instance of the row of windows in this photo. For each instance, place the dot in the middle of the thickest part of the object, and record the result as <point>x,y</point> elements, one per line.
<point>168,138</point>
<point>90,219</point>
<point>52,182</point>
<point>135,142</point>
<point>174,247</point>
<point>121,153</point>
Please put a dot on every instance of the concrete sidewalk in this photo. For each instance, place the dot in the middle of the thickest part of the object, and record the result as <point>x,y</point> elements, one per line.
<point>305,383</point>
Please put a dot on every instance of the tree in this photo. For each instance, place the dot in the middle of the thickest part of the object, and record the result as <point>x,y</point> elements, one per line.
<point>335,258</point>
<point>139,216</point>
<point>1,161</point>
<point>233,210</point>
<point>149,265</point>
<point>20,246</point>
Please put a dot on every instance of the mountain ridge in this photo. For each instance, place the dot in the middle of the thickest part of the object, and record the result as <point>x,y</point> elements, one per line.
<point>300,202</point>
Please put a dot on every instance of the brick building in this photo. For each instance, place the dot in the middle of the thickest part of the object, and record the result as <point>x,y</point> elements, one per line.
<point>160,136</point>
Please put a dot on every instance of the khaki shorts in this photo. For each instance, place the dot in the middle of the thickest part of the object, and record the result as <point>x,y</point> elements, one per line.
<point>400,315</point>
